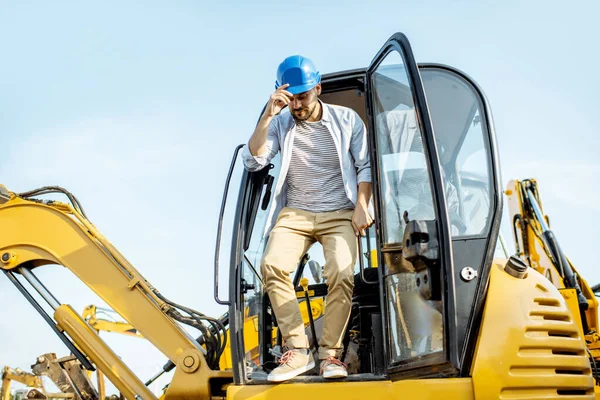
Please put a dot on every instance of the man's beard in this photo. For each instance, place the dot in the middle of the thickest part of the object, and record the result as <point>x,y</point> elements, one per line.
<point>308,114</point>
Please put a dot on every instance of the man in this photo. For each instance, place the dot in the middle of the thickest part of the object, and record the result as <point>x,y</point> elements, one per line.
<point>322,194</point>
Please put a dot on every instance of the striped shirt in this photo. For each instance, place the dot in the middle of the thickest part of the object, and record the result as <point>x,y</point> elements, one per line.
<point>314,178</point>
<point>349,135</point>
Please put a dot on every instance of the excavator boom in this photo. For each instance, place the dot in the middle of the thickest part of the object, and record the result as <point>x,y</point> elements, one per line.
<point>37,233</point>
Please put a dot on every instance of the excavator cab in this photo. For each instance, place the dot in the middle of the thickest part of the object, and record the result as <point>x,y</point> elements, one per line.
<point>423,267</point>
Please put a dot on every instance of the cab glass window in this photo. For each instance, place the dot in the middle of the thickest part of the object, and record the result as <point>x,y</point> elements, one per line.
<point>458,120</point>
<point>415,324</point>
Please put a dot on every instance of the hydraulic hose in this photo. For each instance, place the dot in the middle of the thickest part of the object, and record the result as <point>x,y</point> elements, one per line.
<point>562,264</point>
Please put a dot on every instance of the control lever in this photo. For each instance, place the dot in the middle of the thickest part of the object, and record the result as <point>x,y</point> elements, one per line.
<point>304,284</point>
<point>276,351</point>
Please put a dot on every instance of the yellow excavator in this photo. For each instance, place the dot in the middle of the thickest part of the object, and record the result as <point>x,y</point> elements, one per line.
<point>435,313</point>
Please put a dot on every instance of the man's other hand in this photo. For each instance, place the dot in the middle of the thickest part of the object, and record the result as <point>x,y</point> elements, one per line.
<point>361,220</point>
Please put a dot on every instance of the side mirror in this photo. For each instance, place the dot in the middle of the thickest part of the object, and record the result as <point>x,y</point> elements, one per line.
<point>316,270</point>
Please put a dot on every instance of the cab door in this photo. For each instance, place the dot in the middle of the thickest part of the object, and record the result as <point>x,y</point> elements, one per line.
<point>413,230</point>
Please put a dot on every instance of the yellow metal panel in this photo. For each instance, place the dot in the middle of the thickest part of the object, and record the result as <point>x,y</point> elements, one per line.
<point>570,296</point>
<point>426,389</point>
<point>529,344</point>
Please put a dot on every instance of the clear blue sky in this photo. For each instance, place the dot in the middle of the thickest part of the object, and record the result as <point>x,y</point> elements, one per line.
<point>136,108</point>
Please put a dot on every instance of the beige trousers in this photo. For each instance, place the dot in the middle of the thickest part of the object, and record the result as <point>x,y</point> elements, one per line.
<point>294,233</point>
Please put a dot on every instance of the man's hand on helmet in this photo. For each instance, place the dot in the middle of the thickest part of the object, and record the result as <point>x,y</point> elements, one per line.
<point>279,100</point>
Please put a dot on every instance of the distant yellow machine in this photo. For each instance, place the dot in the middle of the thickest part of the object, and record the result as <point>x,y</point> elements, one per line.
<point>91,315</point>
<point>16,375</point>
<point>437,316</point>
<point>65,373</point>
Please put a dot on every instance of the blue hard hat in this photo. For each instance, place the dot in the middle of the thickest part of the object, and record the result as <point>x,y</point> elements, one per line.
<point>299,72</point>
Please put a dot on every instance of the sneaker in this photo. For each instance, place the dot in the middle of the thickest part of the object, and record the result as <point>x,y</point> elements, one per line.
<point>293,363</point>
<point>332,368</point>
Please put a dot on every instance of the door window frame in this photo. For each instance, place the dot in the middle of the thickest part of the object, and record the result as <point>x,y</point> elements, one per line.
<point>450,356</point>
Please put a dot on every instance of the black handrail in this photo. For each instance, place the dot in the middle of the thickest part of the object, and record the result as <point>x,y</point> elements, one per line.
<point>220,226</point>
<point>362,263</point>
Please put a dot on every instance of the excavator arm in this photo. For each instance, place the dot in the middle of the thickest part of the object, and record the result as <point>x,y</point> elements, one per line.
<point>37,232</point>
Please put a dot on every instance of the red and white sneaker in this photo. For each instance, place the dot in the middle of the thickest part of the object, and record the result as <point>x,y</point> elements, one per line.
<point>332,368</point>
<point>292,363</point>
